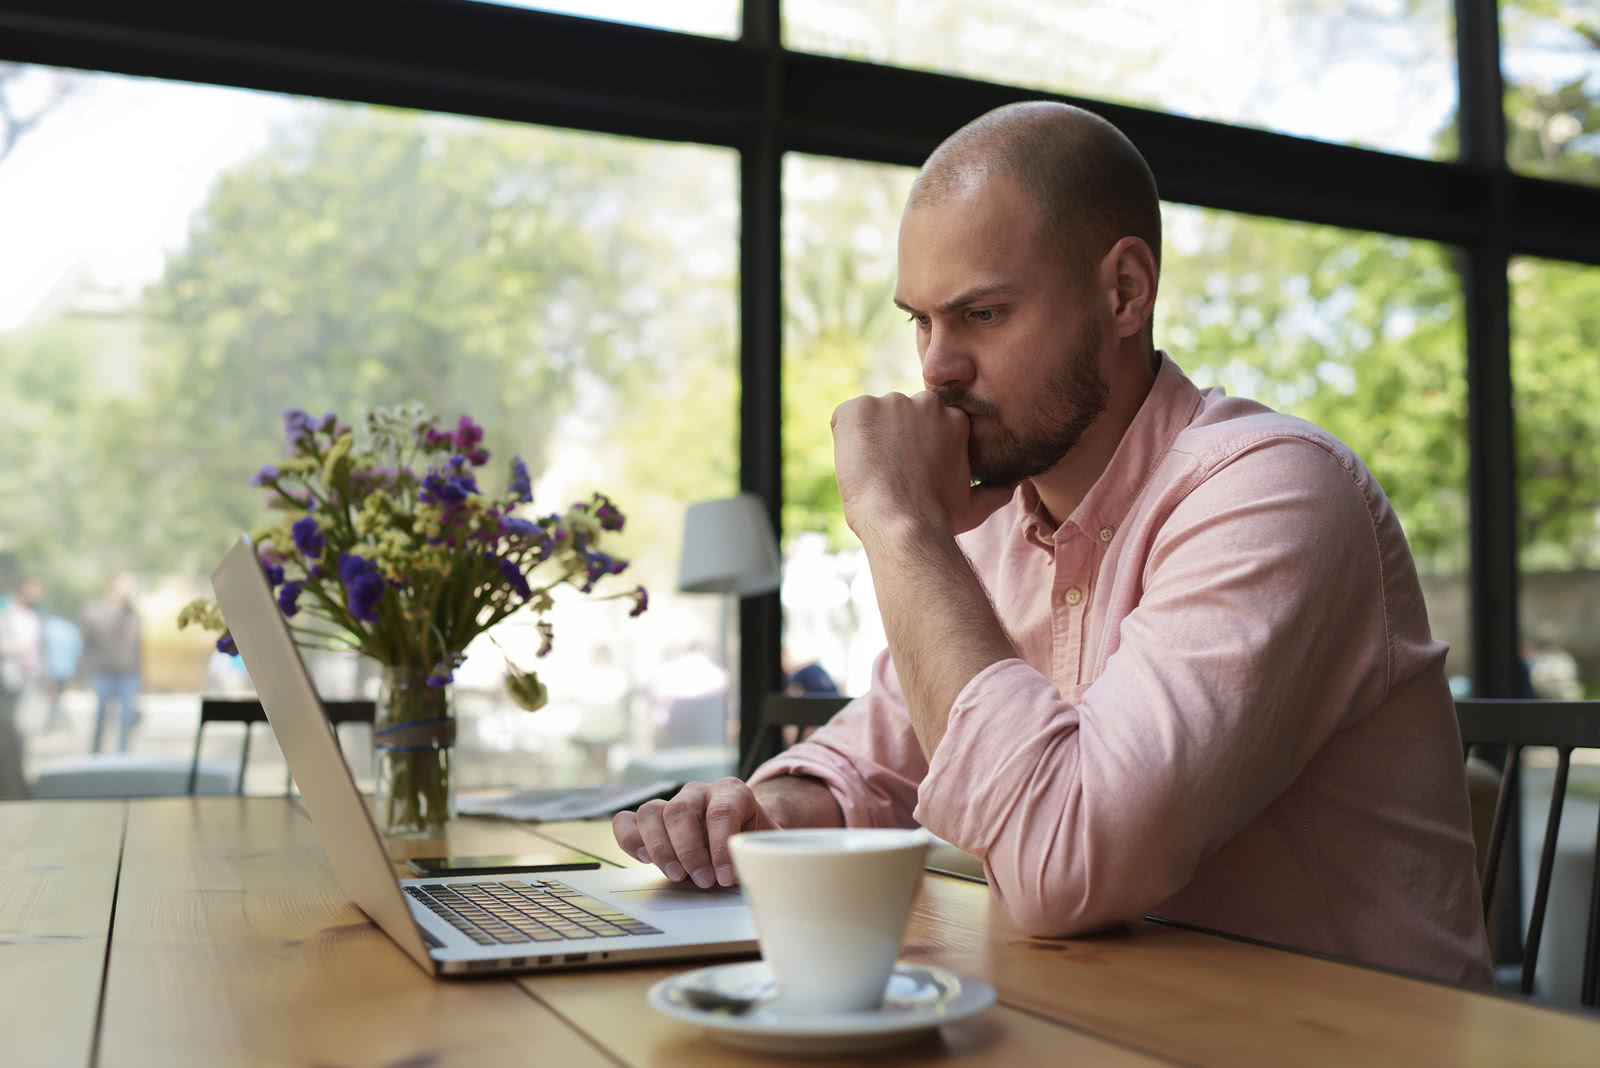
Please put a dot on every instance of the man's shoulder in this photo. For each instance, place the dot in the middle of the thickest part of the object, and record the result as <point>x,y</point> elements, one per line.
<point>1275,446</point>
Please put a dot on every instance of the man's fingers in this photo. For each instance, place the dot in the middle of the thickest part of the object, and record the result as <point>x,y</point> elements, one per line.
<point>625,826</point>
<point>685,823</point>
<point>732,806</point>
<point>651,819</point>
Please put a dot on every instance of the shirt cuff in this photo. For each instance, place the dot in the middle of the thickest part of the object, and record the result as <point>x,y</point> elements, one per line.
<point>842,780</point>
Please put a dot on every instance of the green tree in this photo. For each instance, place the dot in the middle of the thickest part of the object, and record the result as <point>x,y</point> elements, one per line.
<point>371,257</point>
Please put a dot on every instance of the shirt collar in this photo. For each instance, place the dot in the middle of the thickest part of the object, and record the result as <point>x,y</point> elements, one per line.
<point>1169,407</point>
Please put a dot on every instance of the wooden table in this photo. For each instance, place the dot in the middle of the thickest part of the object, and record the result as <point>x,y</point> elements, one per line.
<point>210,931</point>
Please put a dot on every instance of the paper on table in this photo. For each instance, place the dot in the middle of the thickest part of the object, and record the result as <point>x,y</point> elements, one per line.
<point>579,803</point>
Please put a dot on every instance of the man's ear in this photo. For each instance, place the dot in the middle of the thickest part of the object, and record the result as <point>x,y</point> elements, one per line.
<point>1131,278</point>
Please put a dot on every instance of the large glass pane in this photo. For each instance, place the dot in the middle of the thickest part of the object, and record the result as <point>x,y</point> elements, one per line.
<point>1316,68</point>
<point>714,18</point>
<point>182,263</point>
<point>1356,332</point>
<point>1551,65</point>
<point>1555,333</point>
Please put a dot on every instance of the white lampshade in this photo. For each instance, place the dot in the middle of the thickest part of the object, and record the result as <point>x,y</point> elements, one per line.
<point>729,547</point>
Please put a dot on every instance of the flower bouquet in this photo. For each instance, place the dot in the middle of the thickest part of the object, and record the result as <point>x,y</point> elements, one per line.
<point>388,546</point>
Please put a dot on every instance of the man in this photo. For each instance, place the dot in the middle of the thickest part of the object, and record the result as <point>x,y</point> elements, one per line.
<point>113,649</point>
<point>1177,663</point>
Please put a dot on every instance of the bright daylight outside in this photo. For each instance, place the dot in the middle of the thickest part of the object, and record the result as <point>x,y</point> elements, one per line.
<point>183,263</point>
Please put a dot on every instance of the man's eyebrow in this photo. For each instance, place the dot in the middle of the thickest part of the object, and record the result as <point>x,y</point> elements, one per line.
<point>971,296</point>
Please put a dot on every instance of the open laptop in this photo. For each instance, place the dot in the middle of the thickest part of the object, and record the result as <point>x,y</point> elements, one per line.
<point>464,924</point>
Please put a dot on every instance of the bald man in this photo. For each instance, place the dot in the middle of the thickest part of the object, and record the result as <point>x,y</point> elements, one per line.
<point>1152,650</point>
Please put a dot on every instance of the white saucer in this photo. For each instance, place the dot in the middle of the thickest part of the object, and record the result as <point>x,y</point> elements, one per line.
<point>919,998</point>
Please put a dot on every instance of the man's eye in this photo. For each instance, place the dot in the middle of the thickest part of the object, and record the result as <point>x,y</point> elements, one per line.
<point>920,320</point>
<point>982,315</point>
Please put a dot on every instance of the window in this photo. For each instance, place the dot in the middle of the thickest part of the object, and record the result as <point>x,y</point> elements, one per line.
<point>184,262</point>
<point>1318,69</point>
<point>1551,65</point>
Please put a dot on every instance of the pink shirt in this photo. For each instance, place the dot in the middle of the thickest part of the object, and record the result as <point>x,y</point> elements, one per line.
<point>1228,709</point>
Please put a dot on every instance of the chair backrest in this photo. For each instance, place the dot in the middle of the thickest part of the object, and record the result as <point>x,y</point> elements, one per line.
<point>1515,724</point>
<point>782,710</point>
<point>248,712</point>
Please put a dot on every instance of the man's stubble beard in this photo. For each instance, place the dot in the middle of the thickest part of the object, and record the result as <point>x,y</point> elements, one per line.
<point>1071,399</point>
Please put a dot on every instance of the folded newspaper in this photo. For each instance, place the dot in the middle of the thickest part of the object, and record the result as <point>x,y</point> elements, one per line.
<point>577,803</point>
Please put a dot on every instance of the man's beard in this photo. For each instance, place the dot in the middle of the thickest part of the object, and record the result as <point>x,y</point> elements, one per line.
<point>1071,399</point>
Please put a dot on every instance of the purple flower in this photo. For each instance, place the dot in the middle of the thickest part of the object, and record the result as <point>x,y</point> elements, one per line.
<point>641,601</point>
<point>274,573</point>
<point>437,439</point>
<point>225,645</point>
<point>266,474</point>
<point>521,485</point>
<point>364,594</point>
<point>298,424</point>
<point>514,527</point>
<point>439,681</point>
<point>307,538</point>
<point>329,423</point>
<point>448,486</point>
<point>514,577</point>
<point>610,517</point>
<point>478,457</point>
<point>468,434</point>
<point>598,564</point>
<point>352,567</point>
<point>547,636</point>
<point>289,597</point>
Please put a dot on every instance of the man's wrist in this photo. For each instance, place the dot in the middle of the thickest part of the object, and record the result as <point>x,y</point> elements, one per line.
<point>792,800</point>
<point>895,529</point>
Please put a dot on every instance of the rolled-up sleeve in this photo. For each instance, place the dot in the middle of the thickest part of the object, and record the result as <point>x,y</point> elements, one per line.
<point>1260,622</point>
<point>867,755</point>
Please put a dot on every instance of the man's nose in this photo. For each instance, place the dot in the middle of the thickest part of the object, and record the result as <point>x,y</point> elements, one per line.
<point>945,361</point>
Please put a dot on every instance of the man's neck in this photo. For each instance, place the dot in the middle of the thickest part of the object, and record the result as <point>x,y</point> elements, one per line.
<point>1062,488</point>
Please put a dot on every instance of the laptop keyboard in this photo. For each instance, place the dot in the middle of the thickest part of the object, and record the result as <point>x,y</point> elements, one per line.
<point>515,912</point>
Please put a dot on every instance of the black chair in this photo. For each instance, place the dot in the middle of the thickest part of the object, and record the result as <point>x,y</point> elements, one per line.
<point>781,710</point>
<point>1515,724</point>
<point>248,711</point>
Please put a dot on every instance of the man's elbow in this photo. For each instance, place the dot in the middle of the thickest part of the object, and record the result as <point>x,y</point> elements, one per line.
<point>1045,913</point>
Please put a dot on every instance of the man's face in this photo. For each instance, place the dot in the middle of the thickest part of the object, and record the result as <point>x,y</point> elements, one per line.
<point>1003,329</point>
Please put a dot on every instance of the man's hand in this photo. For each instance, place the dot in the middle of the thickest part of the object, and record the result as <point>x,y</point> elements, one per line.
<point>899,457</point>
<point>689,834</point>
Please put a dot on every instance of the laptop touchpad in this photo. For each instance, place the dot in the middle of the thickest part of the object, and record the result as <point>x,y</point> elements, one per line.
<point>675,896</point>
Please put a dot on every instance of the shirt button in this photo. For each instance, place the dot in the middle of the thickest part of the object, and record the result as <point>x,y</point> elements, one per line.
<point>1105,533</point>
<point>1074,596</point>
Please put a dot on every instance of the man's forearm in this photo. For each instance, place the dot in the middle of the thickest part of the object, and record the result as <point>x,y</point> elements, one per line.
<point>942,630</point>
<point>799,801</point>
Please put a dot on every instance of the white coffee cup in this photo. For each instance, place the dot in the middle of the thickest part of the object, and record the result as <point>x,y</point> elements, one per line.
<point>830,909</point>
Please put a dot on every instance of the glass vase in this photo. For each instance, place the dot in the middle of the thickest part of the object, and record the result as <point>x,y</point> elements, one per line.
<point>414,736</point>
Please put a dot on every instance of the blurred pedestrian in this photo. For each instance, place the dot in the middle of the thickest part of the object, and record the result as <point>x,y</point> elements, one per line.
<point>19,667</point>
<point>63,647</point>
<point>113,654</point>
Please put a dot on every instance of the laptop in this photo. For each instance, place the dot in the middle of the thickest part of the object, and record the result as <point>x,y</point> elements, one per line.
<point>462,925</point>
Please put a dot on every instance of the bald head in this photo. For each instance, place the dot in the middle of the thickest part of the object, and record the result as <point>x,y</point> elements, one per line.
<point>1093,188</point>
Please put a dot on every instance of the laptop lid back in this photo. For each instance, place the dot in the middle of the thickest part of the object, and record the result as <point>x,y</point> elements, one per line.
<point>338,811</point>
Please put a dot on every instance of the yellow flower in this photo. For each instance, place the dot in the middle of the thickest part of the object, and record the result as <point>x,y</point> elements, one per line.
<point>338,454</point>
